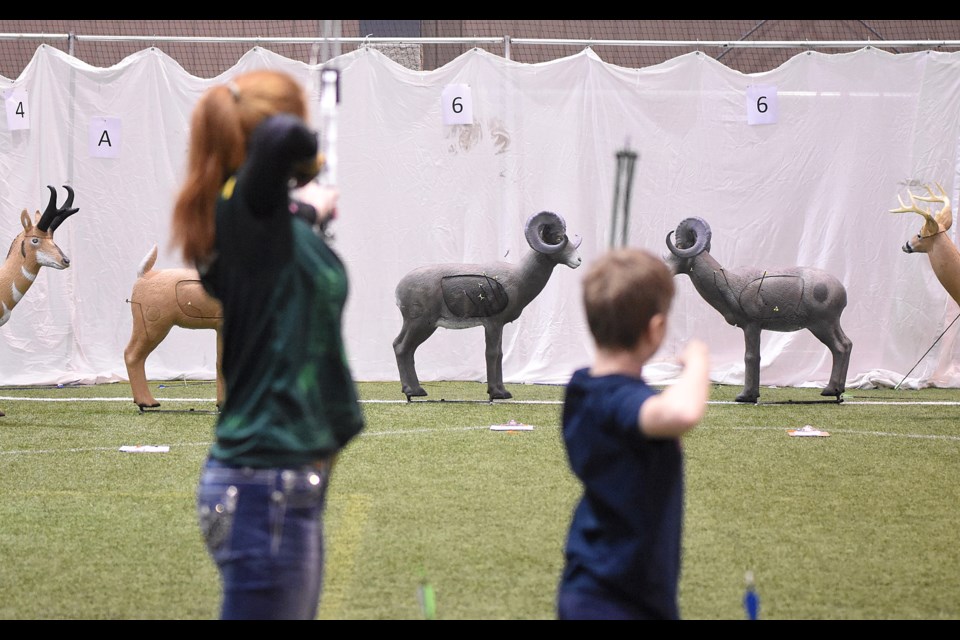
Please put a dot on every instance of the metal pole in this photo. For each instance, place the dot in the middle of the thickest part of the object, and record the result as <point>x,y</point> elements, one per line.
<point>620,220</point>
<point>927,351</point>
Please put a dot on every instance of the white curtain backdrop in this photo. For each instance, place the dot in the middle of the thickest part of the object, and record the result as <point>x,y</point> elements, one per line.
<point>814,188</point>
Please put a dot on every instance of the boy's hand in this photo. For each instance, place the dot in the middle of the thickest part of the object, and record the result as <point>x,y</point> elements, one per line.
<point>695,352</point>
<point>680,406</point>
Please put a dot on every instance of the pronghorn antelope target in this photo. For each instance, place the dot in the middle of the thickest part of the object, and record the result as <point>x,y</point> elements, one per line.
<point>31,249</point>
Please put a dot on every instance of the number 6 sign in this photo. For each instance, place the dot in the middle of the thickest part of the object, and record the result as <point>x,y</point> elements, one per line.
<point>762,104</point>
<point>457,104</point>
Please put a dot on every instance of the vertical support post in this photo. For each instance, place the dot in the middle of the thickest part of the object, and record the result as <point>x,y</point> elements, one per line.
<point>329,98</point>
<point>329,89</point>
<point>620,219</point>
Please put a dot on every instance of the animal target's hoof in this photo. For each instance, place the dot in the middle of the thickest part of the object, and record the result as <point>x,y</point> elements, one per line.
<point>152,405</point>
<point>414,393</point>
<point>500,395</point>
<point>752,399</point>
<point>830,392</point>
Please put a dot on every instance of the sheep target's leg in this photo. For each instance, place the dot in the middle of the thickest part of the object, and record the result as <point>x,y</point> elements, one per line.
<point>404,347</point>
<point>751,365</point>
<point>840,347</point>
<point>494,354</point>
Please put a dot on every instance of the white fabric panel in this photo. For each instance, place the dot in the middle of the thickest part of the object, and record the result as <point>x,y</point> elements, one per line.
<point>853,131</point>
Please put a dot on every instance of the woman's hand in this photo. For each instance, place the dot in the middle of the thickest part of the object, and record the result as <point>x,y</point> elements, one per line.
<point>323,199</point>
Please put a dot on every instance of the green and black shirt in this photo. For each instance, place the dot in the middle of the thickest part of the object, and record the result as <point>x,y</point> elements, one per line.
<point>290,398</point>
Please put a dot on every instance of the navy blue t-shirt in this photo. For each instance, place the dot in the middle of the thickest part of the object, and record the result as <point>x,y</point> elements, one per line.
<point>624,538</point>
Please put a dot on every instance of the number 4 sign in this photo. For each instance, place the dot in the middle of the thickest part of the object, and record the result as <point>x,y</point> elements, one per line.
<point>762,104</point>
<point>457,104</point>
<point>18,116</point>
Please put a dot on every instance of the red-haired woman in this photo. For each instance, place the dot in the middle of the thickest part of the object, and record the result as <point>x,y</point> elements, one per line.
<point>291,403</point>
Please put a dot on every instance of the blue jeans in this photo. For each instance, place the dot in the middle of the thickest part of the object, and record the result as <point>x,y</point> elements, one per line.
<point>264,530</point>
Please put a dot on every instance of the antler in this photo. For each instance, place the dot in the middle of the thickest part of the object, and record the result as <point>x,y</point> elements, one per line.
<point>944,217</point>
<point>933,223</point>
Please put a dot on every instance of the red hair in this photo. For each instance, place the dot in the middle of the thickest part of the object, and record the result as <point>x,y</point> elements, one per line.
<point>220,126</point>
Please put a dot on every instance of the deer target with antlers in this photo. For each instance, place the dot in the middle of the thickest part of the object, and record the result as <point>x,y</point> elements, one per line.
<point>933,239</point>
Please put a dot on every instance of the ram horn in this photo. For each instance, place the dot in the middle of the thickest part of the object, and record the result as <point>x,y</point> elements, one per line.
<point>546,232</point>
<point>694,232</point>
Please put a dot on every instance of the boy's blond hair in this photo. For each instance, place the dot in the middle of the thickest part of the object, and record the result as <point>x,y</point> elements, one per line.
<point>622,291</point>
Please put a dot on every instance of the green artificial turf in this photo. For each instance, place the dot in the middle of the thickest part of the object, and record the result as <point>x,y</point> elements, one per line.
<point>860,524</point>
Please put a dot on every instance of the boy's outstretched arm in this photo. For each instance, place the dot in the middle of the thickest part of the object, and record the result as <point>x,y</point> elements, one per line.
<point>679,407</point>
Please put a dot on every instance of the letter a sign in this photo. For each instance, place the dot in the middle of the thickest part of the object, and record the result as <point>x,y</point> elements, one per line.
<point>104,137</point>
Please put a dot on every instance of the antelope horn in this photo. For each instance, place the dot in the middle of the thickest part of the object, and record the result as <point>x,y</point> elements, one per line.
<point>49,212</point>
<point>52,216</point>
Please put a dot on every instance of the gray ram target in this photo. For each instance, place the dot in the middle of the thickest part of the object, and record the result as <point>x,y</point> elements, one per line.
<point>460,296</point>
<point>786,299</point>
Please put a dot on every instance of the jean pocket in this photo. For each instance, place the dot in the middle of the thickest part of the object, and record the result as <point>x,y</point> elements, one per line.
<point>216,508</point>
<point>304,489</point>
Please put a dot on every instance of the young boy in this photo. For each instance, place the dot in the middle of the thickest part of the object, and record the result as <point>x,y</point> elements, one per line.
<point>622,557</point>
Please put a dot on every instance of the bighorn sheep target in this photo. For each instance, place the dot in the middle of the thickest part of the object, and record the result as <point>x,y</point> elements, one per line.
<point>459,296</point>
<point>787,299</point>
